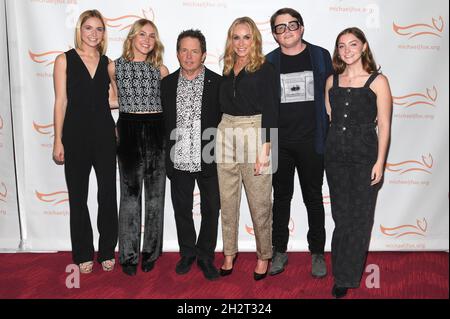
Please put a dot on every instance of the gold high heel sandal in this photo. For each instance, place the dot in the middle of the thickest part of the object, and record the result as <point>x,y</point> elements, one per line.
<point>86,267</point>
<point>108,265</point>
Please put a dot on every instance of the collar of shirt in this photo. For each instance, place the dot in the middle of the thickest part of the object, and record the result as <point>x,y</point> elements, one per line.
<point>199,78</point>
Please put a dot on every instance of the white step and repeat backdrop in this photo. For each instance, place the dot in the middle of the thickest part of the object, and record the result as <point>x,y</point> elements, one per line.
<point>9,217</point>
<point>409,39</point>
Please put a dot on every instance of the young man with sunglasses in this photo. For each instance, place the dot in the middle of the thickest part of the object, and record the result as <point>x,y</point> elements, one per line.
<point>303,122</point>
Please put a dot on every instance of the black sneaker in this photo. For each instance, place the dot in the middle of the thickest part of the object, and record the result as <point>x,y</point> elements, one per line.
<point>184,265</point>
<point>209,270</point>
<point>279,262</point>
<point>318,266</point>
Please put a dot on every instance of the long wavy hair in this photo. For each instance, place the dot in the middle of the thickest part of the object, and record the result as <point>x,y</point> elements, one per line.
<point>367,59</point>
<point>155,56</point>
<point>256,56</point>
<point>102,47</point>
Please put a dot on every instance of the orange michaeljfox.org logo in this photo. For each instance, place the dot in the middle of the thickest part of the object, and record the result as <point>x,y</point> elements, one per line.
<point>47,129</point>
<point>420,29</point>
<point>416,98</point>
<point>55,198</point>
<point>3,192</point>
<point>425,166</point>
<point>250,230</point>
<point>264,26</point>
<point>46,58</point>
<point>419,229</point>
<point>213,58</point>
<point>126,21</point>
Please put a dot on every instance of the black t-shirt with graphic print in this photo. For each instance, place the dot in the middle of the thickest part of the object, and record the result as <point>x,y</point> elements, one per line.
<point>297,109</point>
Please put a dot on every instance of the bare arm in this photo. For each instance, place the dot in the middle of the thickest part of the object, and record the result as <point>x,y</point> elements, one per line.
<point>113,99</point>
<point>384,112</point>
<point>164,71</point>
<point>328,86</point>
<point>59,112</point>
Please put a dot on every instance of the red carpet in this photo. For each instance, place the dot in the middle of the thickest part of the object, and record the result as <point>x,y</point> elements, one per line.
<point>402,276</point>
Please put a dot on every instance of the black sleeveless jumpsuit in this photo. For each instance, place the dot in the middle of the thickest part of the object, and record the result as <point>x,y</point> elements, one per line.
<point>89,140</point>
<point>351,152</point>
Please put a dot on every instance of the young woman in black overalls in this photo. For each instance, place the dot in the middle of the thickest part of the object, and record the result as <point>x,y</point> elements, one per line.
<point>85,138</point>
<point>358,101</point>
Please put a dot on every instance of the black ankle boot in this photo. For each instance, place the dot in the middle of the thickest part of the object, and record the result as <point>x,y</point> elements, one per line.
<point>339,292</point>
<point>147,264</point>
<point>129,269</point>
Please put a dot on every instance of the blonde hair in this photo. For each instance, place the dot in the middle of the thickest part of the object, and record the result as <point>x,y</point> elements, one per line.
<point>155,57</point>
<point>256,56</point>
<point>81,20</point>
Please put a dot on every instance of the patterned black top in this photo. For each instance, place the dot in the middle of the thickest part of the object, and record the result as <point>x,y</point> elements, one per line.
<point>139,86</point>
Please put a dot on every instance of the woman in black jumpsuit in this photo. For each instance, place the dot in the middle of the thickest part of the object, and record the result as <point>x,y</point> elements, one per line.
<point>358,101</point>
<point>85,138</point>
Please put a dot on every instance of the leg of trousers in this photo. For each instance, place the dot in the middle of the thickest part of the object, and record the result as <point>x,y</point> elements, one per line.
<point>310,168</point>
<point>182,188</point>
<point>141,160</point>
<point>232,174</point>
<point>77,169</point>
<point>353,204</point>
<point>79,160</point>
<point>107,220</point>
<point>258,191</point>
<point>209,208</point>
<point>155,190</point>
<point>182,192</point>
<point>283,190</point>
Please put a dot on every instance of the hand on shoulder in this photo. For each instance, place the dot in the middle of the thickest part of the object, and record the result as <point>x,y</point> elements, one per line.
<point>164,71</point>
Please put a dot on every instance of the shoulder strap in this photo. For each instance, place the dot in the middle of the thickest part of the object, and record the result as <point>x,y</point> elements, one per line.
<point>370,79</point>
<point>335,80</point>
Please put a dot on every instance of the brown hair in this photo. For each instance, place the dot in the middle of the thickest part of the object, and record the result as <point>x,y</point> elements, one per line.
<point>294,13</point>
<point>367,59</point>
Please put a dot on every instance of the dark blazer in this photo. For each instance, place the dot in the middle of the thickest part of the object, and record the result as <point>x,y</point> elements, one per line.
<point>322,69</point>
<point>210,117</point>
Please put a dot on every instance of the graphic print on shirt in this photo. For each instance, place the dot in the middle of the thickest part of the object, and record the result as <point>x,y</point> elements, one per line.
<point>297,87</point>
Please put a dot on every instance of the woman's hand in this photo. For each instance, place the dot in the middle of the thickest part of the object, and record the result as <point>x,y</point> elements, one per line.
<point>377,173</point>
<point>58,152</point>
<point>263,160</point>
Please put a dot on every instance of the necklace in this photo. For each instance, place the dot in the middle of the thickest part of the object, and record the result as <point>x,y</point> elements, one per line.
<point>354,79</point>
